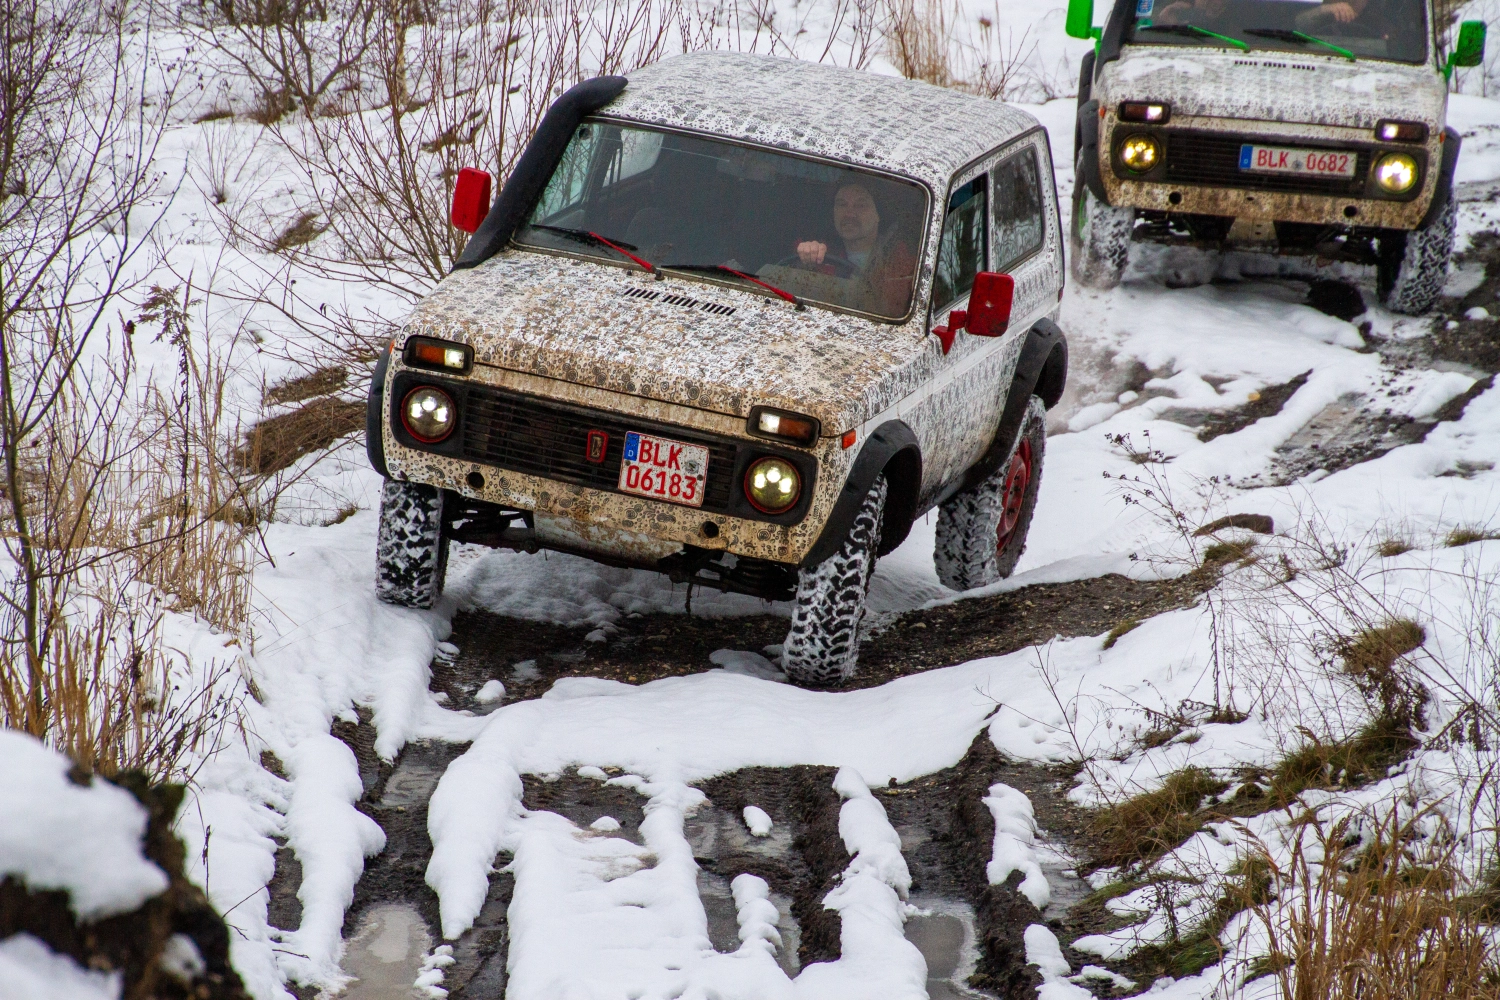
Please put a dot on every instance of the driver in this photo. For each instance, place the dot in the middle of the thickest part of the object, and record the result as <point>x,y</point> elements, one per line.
<point>881,266</point>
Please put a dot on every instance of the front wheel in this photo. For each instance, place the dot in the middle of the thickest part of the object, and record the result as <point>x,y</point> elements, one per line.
<point>411,552</point>
<point>1099,238</point>
<point>823,644</point>
<point>981,532</point>
<point>1412,267</point>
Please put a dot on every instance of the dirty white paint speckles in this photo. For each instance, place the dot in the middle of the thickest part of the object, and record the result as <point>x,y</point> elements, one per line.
<point>905,126</point>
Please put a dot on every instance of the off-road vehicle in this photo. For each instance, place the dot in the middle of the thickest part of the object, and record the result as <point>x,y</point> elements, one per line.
<point>1307,128</point>
<point>739,320</point>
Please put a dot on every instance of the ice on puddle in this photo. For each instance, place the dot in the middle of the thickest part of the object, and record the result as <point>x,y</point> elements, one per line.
<point>738,661</point>
<point>526,670</point>
<point>598,635</point>
<point>490,692</point>
<point>757,820</point>
<point>605,824</point>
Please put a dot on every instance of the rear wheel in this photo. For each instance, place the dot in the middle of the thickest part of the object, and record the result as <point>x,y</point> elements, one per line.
<point>981,532</point>
<point>823,644</point>
<point>1412,267</point>
<point>1099,238</point>
<point>411,553</point>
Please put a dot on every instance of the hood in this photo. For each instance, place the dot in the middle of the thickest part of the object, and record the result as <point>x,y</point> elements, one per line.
<point>676,341</point>
<point>1276,86</point>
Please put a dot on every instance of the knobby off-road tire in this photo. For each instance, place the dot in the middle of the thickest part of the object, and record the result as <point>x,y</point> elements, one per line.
<point>823,644</point>
<point>411,554</point>
<point>981,532</point>
<point>1099,238</point>
<point>1411,271</point>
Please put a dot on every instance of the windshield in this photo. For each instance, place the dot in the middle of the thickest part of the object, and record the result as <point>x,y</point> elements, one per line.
<point>812,230</point>
<point>1361,29</point>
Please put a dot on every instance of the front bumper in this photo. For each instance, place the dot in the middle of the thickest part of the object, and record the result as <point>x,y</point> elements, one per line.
<point>577,509</point>
<point>1194,177</point>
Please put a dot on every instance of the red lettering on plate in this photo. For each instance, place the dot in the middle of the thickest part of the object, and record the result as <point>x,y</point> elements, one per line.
<point>673,455</point>
<point>689,488</point>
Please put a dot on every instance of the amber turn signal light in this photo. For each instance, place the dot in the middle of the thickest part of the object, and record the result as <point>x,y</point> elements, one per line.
<point>1394,131</point>
<point>1150,112</point>
<point>783,426</point>
<point>438,355</point>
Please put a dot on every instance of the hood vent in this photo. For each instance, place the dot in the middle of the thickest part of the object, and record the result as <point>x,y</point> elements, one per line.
<point>652,295</point>
<point>1274,65</point>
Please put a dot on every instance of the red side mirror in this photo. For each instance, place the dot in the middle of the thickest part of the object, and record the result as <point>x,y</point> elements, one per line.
<point>989,303</point>
<point>471,199</point>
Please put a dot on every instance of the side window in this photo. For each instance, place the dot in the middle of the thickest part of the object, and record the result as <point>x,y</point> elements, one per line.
<point>961,252</point>
<point>607,155</point>
<point>1019,222</point>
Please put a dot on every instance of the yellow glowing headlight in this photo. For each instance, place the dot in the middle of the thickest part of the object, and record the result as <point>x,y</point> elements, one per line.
<point>1139,153</point>
<point>1396,172</point>
<point>772,484</point>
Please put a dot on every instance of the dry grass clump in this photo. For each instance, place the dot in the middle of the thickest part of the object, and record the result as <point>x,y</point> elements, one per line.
<point>300,232</point>
<point>1364,757</point>
<point>319,382</point>
<point>1466,534</point>
<point>1386,921</point>
<point>1115,634</point>
<point>1148,825</point>
<point>277,442</point>
<point>1223,552</point>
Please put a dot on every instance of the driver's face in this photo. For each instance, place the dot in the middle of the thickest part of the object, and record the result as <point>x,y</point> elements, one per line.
<point>854,215</point>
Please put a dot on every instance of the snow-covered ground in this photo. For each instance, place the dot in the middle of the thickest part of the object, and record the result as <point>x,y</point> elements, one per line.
<point>602,916</point>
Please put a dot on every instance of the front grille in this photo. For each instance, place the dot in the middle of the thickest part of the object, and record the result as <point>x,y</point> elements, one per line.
<point>542,438</point>
<point>1212,158</point>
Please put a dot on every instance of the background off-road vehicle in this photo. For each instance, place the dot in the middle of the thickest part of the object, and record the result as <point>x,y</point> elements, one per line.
<point>739,320</point>
<point>1308,128</point>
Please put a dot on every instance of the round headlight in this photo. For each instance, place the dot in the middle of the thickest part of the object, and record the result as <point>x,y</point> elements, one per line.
<point>1396,172</point>
<point>772,484</point>
<point>428,414</point>
<point>1139,153</point>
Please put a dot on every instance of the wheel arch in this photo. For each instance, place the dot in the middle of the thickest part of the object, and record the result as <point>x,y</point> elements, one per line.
<point>891,449</point>
<point>1042,370</point>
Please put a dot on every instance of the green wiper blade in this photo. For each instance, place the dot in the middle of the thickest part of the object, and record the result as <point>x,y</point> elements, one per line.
<point>1292,35</point>
<point>1193,29</point>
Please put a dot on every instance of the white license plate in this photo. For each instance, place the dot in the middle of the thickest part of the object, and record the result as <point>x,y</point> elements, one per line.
<point>1304,162</point>
<point>664,469</point>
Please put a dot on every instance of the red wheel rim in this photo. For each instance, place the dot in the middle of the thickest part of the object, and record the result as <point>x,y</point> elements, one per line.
<point>1017,478</point>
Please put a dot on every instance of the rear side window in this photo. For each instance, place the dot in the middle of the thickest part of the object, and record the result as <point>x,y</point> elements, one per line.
<point>1018,210</point>
<point>962,250</point>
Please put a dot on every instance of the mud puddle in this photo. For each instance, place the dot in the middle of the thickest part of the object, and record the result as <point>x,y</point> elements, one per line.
<point>386,953</point>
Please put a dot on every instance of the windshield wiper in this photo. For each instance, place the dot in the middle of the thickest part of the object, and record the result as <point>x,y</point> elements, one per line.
<point>594,239</point>
<point>1290,35</point>
<point>726,269</point>
<point>1191,30</point>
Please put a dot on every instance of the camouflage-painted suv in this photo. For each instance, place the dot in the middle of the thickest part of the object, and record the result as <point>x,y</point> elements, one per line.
<point>739,320</point>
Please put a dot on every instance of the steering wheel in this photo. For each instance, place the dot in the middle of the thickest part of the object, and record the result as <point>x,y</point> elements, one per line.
<point>842,267</point>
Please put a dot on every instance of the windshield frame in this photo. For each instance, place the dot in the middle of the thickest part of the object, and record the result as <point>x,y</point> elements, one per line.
<point>914,306</point>
<point>1257,43</point>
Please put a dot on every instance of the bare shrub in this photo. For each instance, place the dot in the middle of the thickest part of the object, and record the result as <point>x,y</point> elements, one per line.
<point>82,663</point>
<point>931,40</point>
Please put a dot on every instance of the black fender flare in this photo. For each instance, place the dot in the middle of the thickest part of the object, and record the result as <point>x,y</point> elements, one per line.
<point>1042,370</point>
<point>1087,158</point>
<point>1451,143</point>
<point>1085,91</point>
<point>892,448</point>
<point>534,168</point>
<point>375,414</point>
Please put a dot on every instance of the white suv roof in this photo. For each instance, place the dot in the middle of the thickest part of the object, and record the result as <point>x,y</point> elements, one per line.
<point>904,126</point>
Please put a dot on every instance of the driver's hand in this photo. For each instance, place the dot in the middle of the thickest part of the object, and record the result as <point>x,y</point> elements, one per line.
<point>1343,13</point>
<point>811,252</point>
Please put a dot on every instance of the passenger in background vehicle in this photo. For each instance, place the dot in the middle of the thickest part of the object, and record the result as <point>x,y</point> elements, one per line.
<point>879,264</point>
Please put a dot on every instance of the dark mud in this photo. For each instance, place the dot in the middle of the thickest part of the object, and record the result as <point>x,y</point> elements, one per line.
<point>641,649</point>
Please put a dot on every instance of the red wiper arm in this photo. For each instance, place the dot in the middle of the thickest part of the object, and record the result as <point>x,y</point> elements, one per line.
<point>764,284</point>
<point>619,249</point>
<point>788,296</point>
